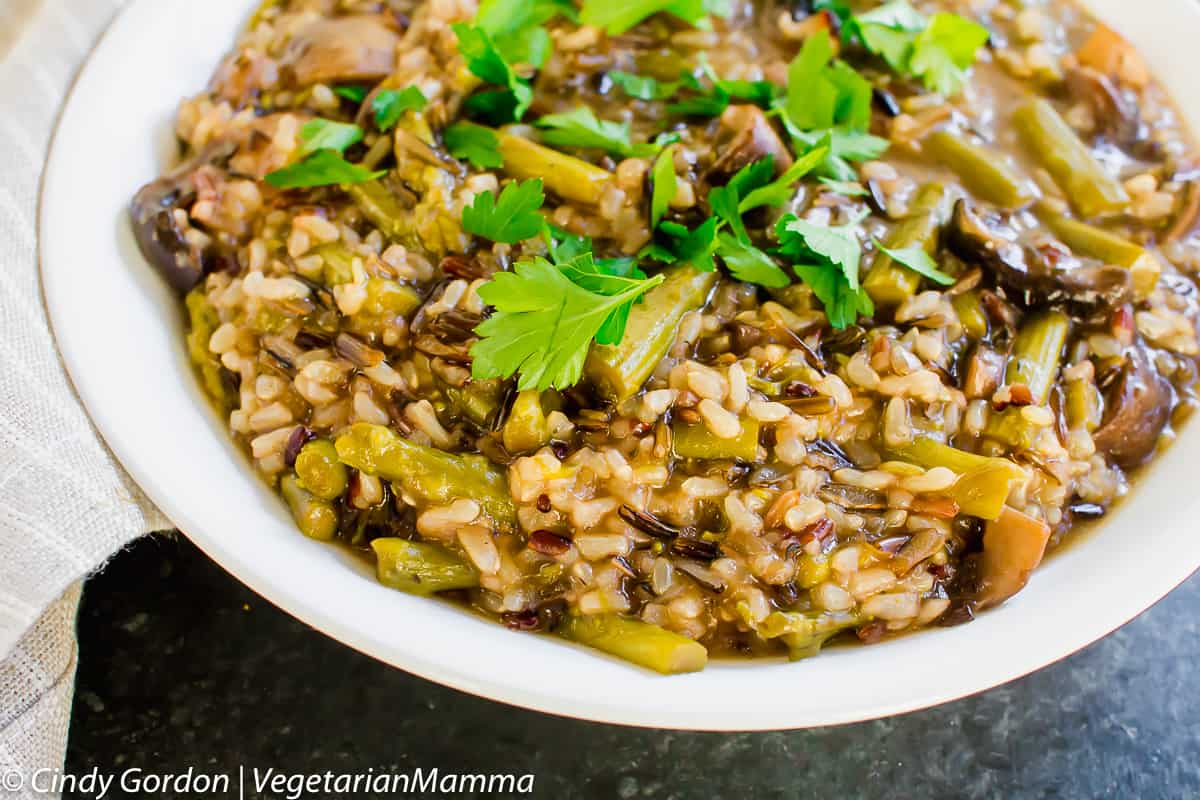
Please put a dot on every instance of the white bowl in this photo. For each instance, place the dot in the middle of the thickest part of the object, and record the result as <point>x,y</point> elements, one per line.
<point>119,328</point>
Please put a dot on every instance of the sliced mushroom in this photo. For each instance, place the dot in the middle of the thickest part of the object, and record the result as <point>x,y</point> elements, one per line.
<point>1035,274</point>
<point>985,372</point>
<point>1013,546</point>
<point>1113,113</point>
<point>746,136</point>
<point>165,234</point>
<point>1184,221</point>
<point>1137,408</point>
<point>342,50</point>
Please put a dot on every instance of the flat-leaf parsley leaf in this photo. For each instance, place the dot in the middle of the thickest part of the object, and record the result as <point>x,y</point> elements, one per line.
<point>474,143</point>
<point>511,218</point>
<point>543,325</point>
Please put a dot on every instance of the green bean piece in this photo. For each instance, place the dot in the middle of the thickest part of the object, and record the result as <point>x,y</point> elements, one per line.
<point>1088,240</point>
<point>984,171</point>
<point>421,568</point>
<point>425,474</point>
<point>805,631</point>
<point>526,428</point>
<point>1035,359</point>
<point>566,176</point>
<point>316,518</point>
<point>618,371</point>
<point>635,641</point>
<point>203,321</point>
<point>697,441</point>
<point>381,207</point>
<point>971,314</point>
<point>889,284</point>
<point>1049,139</point>
<point>319,470</point>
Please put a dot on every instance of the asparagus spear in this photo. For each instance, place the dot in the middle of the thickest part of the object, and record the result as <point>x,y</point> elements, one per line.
<point>526,428</point>
<point>1037,351</point>
<point>421,568</point>
<point>379,205</point>
<point>202,321</point>
<point>971,314</point>
<point>1083,405</point>
<point>569,177</point>
<point>1088,240</point>
<point>316,518</point>
<point>804,632</point>
<point>428,475</point>
<point>638,642</point>
<point>319,471</point>
<point>1049,139</point>
<point>619,371</point>
<point>982,170</point>
<point>890,284</point>
<point>697,441</point>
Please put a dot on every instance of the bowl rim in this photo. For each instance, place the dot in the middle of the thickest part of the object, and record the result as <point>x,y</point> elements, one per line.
<point>597,688</point>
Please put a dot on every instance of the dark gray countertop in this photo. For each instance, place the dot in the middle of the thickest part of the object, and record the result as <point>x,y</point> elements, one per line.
<point>182,666</point>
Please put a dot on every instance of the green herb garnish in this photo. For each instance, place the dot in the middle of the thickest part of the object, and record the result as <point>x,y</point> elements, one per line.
<point>827,259</point>
<point>642,88</point>
<point>781,190</point>
<point>511,218</point>
<point>827,98</point>
<point>389,105</point>
<point>662,175</point>
<point>322,168</point>
<point>750,264</point>
<point>939,51</point>
<point>617,17</point>
<point>920,262</point>
<point>845,188</point>
<point>322,142</point>
<point>474,143</point>
<point>695,247</point>
<point>516,27</point>
<point>325,134</point>
<point>484,60</point>
<point>355,94</point>
<point>581,128</point>
<point>544,322</point>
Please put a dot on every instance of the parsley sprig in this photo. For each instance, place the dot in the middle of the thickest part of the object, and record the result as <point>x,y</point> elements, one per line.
<point>580,128</point>
<point>505,104</point>
<point>510,218</point>
<point>389,105</point>
<point>474,143</point>
<point>506,33</point>
<point>544,321</point>
<point>827,260</point>
<point>322,142</point>
<point>827,98</point>
<point>616,17</point>
<point>939,51</point>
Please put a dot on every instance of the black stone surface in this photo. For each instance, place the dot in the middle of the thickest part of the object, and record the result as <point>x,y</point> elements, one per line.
<point>181,666</point>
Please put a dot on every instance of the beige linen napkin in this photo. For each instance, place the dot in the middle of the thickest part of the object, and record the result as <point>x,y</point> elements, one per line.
<point>65,504</point>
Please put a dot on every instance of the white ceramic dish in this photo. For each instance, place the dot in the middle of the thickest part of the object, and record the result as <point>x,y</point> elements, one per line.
<point>119,330</point>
